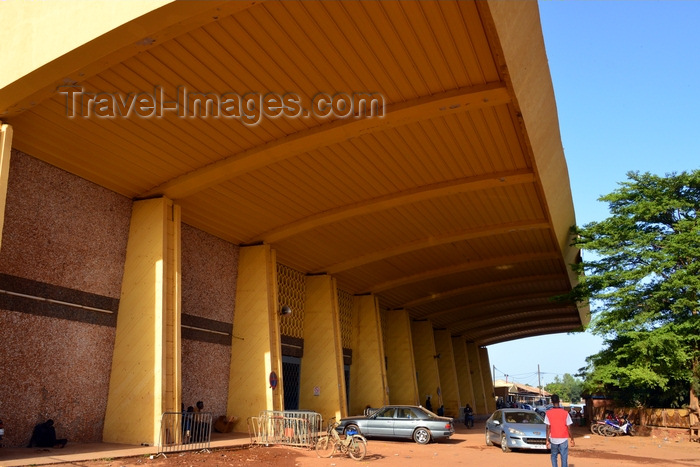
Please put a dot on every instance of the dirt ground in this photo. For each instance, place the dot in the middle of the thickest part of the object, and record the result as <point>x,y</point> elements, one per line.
<point>465,447</point>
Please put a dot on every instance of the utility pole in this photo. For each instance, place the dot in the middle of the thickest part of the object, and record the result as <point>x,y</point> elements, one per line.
<point>539,383</point>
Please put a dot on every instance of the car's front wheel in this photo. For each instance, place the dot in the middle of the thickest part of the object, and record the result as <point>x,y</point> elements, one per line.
<point>421,436</point>
<point>504,443</point>
<point>488,439</point>
<point>351,428</point>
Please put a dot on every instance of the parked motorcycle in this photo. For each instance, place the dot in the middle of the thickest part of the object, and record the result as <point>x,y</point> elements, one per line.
<point>613,426</point>
<point>621,426</point>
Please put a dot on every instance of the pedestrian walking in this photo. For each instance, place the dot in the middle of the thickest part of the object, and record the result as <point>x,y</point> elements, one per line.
<point>559,432</point>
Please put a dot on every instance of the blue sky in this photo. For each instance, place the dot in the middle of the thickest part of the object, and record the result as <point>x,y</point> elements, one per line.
<point>626,79</point>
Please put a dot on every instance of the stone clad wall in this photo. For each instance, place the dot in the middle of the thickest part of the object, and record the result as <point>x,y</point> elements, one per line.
<point>209,273</point>
<point>64,239</point>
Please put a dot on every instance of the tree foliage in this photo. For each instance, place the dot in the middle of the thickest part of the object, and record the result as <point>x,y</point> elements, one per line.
<point>643,284</point>
<point>568,388</point>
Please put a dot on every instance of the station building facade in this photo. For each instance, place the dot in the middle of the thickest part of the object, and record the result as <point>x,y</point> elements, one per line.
<point>117,307</point>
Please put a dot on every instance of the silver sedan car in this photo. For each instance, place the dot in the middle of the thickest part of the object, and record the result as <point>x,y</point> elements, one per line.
<point>516,429</point>
<point>400,421</point>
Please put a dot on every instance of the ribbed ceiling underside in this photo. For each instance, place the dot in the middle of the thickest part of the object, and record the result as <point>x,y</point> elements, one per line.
<point>436,207</point>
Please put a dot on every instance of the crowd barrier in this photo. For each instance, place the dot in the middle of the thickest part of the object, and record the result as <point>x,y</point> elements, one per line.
<point>184,431</point>
<point>290,428</point>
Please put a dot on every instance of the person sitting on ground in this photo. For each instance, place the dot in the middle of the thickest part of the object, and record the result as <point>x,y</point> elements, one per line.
<point>44,436</point>
<point>201,426</point>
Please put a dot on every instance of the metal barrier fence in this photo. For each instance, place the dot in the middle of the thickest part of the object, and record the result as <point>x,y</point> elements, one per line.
<point>291,428</point>
<point>184,431</point>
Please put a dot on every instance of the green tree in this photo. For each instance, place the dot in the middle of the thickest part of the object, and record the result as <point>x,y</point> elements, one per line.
<point>568,388</point>
<point>643,285</point>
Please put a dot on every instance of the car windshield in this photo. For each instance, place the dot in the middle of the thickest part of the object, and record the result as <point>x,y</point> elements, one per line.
<point>522,417</point>
<point>423,412</point>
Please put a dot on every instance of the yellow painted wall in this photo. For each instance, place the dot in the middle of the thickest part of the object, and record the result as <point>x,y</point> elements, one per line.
<point>466,390</point>
<point>51,44</point>
<point>145,378</point>
<point>35,33</point>
<point>322,386</point>
<point>401,368</point>
<point>255,345</point>
<point>426,364</point>
<point>480,405</point>
<point>5,150</point>
<point>368,381</point>
<point>448,374</point>
<point>487,379</point>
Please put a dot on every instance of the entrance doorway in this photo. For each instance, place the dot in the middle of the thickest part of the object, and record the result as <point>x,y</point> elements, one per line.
<point>291,379</point>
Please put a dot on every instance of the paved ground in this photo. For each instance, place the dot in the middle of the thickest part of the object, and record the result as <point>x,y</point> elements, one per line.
<point>467,447</point>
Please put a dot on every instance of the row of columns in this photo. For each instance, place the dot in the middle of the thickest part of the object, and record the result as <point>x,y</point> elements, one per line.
<point>401,367</point>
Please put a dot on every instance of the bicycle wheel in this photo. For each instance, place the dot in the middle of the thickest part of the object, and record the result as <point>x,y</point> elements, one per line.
<point>357,448</point>
<point>325,446</point>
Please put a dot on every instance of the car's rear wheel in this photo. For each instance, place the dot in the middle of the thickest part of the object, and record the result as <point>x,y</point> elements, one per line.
<point>504,443</point>
<point>421,436</point>
<point>351,428</point>
<point>488,439</point>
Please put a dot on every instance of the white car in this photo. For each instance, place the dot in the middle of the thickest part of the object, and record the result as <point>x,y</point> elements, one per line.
<point>516,429</point>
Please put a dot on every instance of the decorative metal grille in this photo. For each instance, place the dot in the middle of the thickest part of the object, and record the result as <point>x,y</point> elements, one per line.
<point>345,307</point>
<point>291,286</point>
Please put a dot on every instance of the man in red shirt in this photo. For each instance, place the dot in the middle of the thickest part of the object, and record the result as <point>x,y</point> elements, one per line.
<point>559,432</point>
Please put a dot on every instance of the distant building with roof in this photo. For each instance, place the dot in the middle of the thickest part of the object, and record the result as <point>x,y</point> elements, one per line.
<point>515,392</point>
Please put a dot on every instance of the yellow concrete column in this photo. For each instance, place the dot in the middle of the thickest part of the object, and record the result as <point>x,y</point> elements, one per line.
<point>5,150</point>
<point>401,366</point>
<point>146,377</point>
<point>424,354</point>
<point>466,389</point>
<point>448,374</point>
<point>480,405</point>
<point>368,381</point>
<point>255,345</point>
<point>322,386</point>
<point>487,379</point>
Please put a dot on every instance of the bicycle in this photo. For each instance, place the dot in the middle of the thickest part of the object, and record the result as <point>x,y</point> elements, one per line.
<point>353,444</point>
